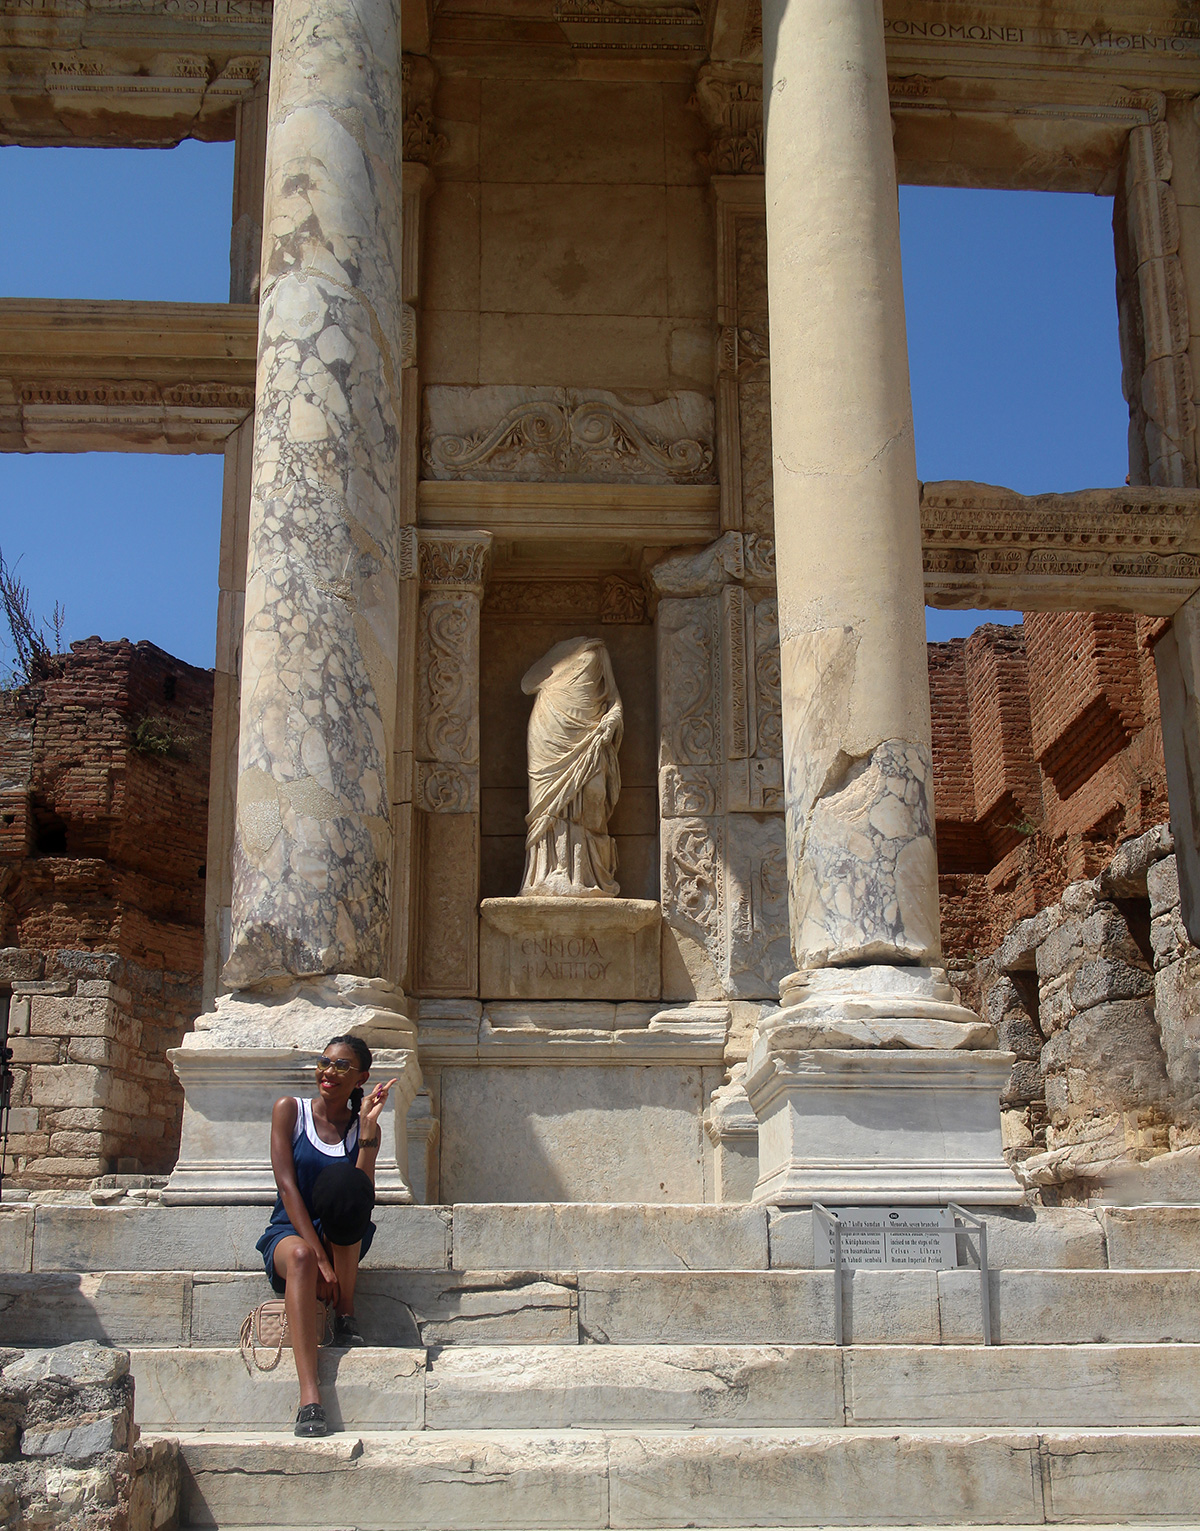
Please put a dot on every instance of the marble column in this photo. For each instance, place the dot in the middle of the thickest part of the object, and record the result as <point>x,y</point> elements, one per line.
<point>313,847</point>
<point>310,943</point>
<point>837,1122</point>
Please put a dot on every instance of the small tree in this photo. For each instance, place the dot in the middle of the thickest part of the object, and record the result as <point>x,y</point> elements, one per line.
<point>35,644</point>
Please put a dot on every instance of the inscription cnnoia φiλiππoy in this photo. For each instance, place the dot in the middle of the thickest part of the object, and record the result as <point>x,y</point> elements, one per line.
<point>563,959</point>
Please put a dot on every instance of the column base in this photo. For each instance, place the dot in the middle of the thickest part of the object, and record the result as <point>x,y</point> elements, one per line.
<point>877,1006</point>
<point>232,1077</point>
<point>863,1126</point>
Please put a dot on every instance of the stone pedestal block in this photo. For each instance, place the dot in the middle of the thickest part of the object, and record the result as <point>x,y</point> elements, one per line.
<point>860,1126</point>
<point>225,1150</point>
<point>570,948</point>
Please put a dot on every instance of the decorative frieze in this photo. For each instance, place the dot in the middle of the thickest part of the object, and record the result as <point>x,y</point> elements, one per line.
<point>1127,549</point>
<point>563,435</point>
<point>724,884</point>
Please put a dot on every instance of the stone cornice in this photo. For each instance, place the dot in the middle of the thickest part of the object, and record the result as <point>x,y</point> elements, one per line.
<point>1127,549</point>
<point>95,376</point>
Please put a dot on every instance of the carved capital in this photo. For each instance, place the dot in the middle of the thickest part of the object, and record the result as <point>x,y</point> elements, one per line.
<point>423,145</point>
<point>458,560</point>
<point>729,98</point>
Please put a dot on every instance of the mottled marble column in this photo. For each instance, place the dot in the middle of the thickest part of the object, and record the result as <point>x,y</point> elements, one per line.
<point>313,848</point>
<point>871,1083</point>
<point>856,724</point>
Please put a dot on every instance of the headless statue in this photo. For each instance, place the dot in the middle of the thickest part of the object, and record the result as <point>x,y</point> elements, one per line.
<point>574,780</point>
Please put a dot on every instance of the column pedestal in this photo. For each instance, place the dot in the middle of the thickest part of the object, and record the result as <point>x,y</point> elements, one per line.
<point>254,1048</point>
<point>860,1126</point>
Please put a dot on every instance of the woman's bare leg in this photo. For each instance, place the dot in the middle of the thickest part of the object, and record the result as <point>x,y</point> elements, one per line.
<point>345,1268</point>
<point>296,1264</point>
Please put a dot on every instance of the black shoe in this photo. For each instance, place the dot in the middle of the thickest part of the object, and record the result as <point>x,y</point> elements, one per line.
<point>311,1420</point>
<point>346,1332</point>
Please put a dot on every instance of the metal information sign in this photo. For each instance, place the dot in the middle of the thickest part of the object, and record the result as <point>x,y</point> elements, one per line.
<point>888,1236</point>
<point>850,1237</point>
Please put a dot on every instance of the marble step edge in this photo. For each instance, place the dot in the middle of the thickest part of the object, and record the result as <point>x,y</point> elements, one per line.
<point>643,1307</point>
<point>77,1236</point>
<point>612,1386</point>
<point>707,1477</point>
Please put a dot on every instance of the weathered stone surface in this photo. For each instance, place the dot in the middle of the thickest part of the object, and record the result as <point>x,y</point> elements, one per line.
<point>1162,885</point>
<point>1077,1307</point>
<point>1091,1477</point>
<point>575,1132</point>
<point>1016,1031</point>
<point>83,1363</point>
<point>1155,1238</point>
<point>1018,953</point>
<point>1170,1178</point>
<point>621,1386</point>
<point>570,948</point>
<point>763,1478</point>
<point>77,1440</point>
<point>448,1479</point>
<point>701,1307</point>
<point>1177,1011</point>
<point>58,1309</point>
<point>153,1238</point>
<point>16,1238</point>
<point>371,1389</point>
<point>1110,1057</point>
<point>1031,1385</point>
<point>1106,980</point>
<point>621,1238</point>
<point>1125,875</point>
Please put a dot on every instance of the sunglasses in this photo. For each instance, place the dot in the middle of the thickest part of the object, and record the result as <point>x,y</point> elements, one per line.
<point>339,1066</point>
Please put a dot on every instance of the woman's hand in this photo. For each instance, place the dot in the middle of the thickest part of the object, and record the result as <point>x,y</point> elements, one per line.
<point>372,1108</point>
<point>327,1281</point>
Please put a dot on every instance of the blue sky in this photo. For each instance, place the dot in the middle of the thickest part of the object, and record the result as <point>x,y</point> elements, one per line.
<point>1012,339</point>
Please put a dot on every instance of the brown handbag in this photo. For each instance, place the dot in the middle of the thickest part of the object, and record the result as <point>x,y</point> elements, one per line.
<point>266,1328</point>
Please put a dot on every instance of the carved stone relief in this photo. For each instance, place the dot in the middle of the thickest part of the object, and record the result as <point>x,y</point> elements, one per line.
<point>729,97</point>
<point>560,435</point>
<point>423,145</point>
<point>724,875</point>
<point>446,787</point>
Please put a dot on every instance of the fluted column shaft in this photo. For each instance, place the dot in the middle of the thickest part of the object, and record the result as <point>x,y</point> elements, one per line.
<point>313,848</point>
<point>856,723</point>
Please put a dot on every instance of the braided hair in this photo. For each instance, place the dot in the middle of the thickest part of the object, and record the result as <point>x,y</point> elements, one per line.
<point>363,1053</point>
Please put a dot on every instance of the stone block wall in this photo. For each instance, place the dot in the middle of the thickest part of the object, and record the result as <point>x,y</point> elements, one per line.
<point>104,772</point>
<point>1098,995</point>
<point>69,1450</point>
<point>1047,754</point>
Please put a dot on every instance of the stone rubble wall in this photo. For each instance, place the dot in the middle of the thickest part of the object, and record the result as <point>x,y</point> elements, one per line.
<point>1098,995</point>
<point>69,1449</point>
<point>103,827</point>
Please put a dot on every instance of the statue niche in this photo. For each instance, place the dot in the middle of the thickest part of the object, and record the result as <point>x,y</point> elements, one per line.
<point>574,780</point>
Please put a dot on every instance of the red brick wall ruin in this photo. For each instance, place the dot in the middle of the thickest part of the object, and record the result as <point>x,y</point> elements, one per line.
<point>103,827</point>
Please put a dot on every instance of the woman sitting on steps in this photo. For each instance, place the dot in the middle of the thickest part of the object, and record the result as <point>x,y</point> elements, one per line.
<point>323,1154</point>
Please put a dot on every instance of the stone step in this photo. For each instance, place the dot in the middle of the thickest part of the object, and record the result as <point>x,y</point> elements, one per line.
<point>785,1307</point>
<point>571,1236</point>
<point>618,1386</point>
<point>479,1480</point>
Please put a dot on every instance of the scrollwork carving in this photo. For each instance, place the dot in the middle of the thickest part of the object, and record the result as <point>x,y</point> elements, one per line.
<point>691,878</point>
<point>446,788</point>
<point>622,600</point>
<point>767,680</point>
<point>562,435</point>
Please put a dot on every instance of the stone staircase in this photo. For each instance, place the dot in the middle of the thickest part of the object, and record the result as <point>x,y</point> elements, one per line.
<point>591,1367</point>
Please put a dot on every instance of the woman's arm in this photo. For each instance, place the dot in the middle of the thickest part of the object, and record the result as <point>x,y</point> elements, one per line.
<point>283,1165</point>
<point>369,1136</point>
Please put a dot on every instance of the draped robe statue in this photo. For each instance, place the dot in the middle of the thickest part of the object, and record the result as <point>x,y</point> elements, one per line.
<point>574,780</point>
